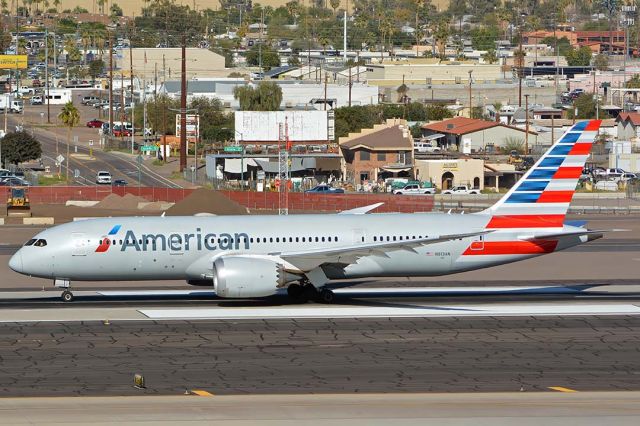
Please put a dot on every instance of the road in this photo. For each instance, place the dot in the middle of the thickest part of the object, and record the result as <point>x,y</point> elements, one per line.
<point>120,165</point>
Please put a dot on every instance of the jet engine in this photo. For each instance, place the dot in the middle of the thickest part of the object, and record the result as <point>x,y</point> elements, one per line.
<point>238,276</point>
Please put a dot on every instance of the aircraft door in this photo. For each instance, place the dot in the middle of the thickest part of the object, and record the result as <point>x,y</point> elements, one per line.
<point>79,244</point>
<point>478,243</point>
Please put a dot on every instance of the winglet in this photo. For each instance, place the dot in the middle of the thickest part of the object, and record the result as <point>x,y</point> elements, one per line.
<point>362,210</point>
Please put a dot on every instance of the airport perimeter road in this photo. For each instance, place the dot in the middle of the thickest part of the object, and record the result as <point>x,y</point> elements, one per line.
<point>121,166</point>
<point>444,354</point>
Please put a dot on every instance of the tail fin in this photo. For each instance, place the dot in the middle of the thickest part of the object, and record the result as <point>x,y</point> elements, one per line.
<point>541,198</point>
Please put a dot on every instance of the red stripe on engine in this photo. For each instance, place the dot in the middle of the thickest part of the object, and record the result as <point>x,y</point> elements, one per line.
<point>568,173</point>
<point>593,125</point>
<point>526,221</point>
<point>555,197</point>
<point>512,247</point>
<point>581,148</point>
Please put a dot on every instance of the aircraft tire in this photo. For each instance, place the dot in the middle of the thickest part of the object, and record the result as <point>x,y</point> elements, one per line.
<point>67,296</point>
<point>327,296</point>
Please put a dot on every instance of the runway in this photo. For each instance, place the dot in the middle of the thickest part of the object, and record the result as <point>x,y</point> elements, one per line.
<point>496,409</point>
<point>321,355</point>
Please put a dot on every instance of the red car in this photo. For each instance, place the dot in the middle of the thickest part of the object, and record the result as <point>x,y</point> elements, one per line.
<point>121,132</point>
<point>95,124</point>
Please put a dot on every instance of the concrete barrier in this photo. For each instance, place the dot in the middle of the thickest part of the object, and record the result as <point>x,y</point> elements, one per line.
<point>38,221</point>
<point>1,220</point>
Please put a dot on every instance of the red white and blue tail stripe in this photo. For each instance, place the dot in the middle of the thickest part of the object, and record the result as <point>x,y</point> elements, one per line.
<point>541,198</point>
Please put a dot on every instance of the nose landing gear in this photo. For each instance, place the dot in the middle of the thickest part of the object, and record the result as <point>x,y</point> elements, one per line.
<point>67,295</point>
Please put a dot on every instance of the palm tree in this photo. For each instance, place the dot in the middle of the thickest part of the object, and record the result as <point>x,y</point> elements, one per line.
<point>490,56</point>
<point>56,4</point>
<point>70,117</point>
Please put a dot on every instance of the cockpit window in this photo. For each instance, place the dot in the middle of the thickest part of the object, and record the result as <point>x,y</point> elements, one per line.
<point>30,242</point>
<point>40,243</point>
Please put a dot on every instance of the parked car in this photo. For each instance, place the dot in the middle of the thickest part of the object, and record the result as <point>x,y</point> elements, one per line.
<point>121,132</point>
<point>14,181</point>
<point>120,182</point>
<point>461,190</point>
<point>86,100</point>
<point>103,178</point>
<point>324,189</point>
<point>95,123</point>
<point>414,189</point>
<point>36,100</point>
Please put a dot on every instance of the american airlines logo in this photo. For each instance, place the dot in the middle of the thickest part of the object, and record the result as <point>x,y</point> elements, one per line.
<point>175,242</point>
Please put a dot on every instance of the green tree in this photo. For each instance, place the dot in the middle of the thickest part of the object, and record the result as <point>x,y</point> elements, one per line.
<point>95,68</point>
<point>266,96</point>
<point>484,38</point>
<point>270,57</point>
<point>19,147</point>
<point>586,106</point>
<point>579,57</point>
<point>491,57</point>
<point>73,53</point>
<point>70,117</point>
<point>601,62</point>
<point>115,10</point>
<point>438,112</point>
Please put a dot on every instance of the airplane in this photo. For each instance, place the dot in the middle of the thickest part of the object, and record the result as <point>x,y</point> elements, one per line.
<point>258,256</point>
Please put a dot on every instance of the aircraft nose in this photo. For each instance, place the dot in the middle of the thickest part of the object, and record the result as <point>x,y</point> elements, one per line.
<point>15,262</point>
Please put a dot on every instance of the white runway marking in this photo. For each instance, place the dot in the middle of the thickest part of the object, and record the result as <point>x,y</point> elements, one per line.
<point>378,291</point>
<point>417,311</point>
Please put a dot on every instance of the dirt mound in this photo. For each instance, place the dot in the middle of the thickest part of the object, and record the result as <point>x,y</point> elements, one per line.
<point>206,201</point>
<point>116,202</point>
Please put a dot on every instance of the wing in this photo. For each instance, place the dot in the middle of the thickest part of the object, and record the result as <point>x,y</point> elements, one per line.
<point>362,210</point>
<point>310,259</point>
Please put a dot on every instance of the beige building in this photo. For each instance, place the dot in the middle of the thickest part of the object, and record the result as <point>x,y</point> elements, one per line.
<point>168,62</point>
<point>431,72</point>
<point>445,174</point>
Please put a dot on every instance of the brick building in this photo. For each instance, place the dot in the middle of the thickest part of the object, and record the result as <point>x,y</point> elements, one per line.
<point>384,151</point>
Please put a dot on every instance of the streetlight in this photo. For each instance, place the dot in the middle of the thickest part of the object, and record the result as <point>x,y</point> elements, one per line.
<point>470,104</point>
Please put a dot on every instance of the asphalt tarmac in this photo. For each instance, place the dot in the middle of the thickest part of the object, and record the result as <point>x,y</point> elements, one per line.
<point>509,354</point>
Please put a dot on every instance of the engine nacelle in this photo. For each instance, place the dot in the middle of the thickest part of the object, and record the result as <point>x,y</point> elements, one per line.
<point>238,276</point>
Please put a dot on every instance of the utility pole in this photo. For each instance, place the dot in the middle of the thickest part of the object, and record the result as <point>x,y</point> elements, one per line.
<point>526,124</point>
<point>520,71</point>
<point>46,71</point>
<point>132,104</point>
<point>325,92</point>
<point>110,85</point>
<point>470,102</point>
<point>183,108</point>
<point>122,101</point>
<point>350,84</point>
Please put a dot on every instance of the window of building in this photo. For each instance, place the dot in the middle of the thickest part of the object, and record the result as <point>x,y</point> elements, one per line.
<point>365,156</point>
<point>382,156</point>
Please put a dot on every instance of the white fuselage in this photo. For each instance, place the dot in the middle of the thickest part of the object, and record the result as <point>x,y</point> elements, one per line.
<point>170,248</point>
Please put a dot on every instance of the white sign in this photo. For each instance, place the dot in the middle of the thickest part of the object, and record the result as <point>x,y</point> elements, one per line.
<point>264,126</point>
<point>60,158</point>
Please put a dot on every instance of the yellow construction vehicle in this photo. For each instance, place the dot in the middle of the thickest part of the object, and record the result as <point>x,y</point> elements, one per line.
<point>18,203</point>
<point>514,157</point>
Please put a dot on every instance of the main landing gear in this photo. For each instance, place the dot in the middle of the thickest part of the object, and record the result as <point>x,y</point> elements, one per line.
<point>304,292</point>
<point>67,295</point>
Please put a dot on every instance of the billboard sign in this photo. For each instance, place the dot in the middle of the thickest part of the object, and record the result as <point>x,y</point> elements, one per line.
<point>193,127</point>
<point>12,62</point>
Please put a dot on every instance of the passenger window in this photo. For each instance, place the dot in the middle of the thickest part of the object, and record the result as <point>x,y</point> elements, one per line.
<point>297,240</point>
<point>304,239</point>
<point>375,238</point>
<point>271,239</point>
<point>30,242</point>
<point>323,239</point>
<point>316,239</point>
<point>336,239</point>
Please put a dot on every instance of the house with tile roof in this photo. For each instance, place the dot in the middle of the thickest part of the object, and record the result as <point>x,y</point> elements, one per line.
<point>628,125</point>
<point>482,135</point>
<point>384,151</point>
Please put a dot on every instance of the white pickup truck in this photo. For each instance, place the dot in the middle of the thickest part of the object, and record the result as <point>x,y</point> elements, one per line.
<point>461,190</point>
<point>414,189</point>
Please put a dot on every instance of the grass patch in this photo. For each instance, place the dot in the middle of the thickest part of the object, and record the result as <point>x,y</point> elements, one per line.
<point>50,180</point>
<point>157,162</point>
<point>176,175</point>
